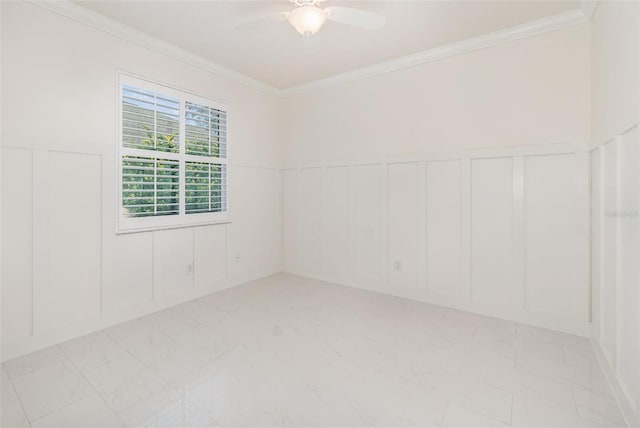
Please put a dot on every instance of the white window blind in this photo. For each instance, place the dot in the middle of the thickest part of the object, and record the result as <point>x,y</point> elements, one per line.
<point>205,187</point>
<point>150,186</point>
<point>150,121</point>
<point>172,157</point>
<point>206,131</point>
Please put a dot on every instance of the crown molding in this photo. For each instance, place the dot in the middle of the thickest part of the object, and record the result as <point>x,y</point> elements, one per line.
<point>587,7</point>
<point>532,28</point>
<point>85,16</point>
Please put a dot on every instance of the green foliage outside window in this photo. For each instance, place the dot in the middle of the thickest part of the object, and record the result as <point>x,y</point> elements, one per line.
<point>150,186</point>
<point>204,187</point>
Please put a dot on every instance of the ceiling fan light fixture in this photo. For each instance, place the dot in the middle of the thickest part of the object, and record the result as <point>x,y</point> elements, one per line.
<point>307,20</point>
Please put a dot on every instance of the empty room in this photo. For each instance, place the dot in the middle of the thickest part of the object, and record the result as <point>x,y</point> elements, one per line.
<point>320,213</point>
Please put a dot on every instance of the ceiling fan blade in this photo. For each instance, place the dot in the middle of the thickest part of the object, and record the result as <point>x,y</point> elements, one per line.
<point>258,22</point>
<point>355,17</point>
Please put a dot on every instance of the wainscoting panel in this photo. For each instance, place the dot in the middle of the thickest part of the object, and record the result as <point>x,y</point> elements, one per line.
<point>17,242</point>
<point>492,230</point>
<point>172,261</point>
<point>465,230</point>
<point>210,256</point>
<point>335,223</point>
<point>66,273</point>
<point>403,238</point>
<point>597,252</point>
<point>72,289</point>
<point>254,235</point>
<point>444,246</point>
<point>556,235</point>
<point>289,219</point>
<point>127,270</point>
<point>310,221</point>
<point>610,247</point>
<point>615,255</point>
<point>628,255</point>
<point>367,193</point>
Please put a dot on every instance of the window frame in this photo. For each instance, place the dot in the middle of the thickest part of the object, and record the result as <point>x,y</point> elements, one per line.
<point>182,219</point>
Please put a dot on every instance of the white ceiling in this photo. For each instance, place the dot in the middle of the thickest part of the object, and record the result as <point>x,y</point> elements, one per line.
<point>274,53</point>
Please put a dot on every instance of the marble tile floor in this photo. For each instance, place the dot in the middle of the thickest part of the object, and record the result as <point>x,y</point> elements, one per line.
<point>291,351</point>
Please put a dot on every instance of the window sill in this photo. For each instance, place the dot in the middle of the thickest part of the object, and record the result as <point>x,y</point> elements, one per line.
<point>170,227</point>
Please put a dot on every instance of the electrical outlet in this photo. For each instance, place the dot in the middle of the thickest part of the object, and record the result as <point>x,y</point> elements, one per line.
<point>237,258</point>
<point>397,266</point>
<point>189,269</point>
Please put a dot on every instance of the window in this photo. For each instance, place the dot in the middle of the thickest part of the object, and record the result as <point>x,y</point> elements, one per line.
<point>172,157</point>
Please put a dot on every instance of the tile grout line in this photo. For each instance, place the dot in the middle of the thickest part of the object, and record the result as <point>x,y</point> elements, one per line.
<point>446,410</point>
<point>68,360</point>
<point>24,412</point>
<point>171,387</point>
<point>17,398</point>
<point>92,387</point>
<point>466,322</point>
<point>513,398</point>
<point>10,384</point>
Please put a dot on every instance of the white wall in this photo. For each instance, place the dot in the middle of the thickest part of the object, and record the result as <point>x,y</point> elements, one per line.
<point>615,85</point>
<point>615,169</point>
<point>533,91</point>
<point>503,233</point>
<point>443,182</point>
<point>64,271</point>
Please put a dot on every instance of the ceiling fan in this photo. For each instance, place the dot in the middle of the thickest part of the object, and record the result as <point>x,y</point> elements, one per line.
<point>308,17</point>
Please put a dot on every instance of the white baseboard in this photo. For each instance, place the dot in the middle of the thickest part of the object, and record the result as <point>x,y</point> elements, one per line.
<point>631,418</point>
<point>505,312</point>
<point>16,348</point>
